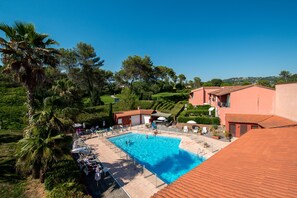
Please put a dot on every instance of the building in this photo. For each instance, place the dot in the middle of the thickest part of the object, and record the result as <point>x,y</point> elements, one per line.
<point>249,99</point>
<point>133,117</point>
<point>200,96</point>
<point>239,124</point>
<point>286,101</point>
<point>262,163</point>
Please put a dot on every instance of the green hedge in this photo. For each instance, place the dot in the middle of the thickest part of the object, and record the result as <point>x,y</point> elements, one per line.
<point>198,112</point>
<point>93,119</point>
<point>175,97</point>
<point>145,104</point>
<point>177,109</point>
<point>200,119</point>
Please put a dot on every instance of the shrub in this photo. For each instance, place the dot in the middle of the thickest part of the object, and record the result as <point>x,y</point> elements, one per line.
<point>175,97</point>
<point>200,119</point>
<point>145,104</point>
<point>68,189</point>
<point>61,172</point>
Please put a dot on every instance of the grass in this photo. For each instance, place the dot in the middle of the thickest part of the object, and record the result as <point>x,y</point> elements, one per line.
<point>11,184</point>
<point>107,99</point>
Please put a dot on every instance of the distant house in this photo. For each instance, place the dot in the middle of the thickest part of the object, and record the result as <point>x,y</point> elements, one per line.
<point>134,117</point>
<point>200,96</point>
<point>249,99</point>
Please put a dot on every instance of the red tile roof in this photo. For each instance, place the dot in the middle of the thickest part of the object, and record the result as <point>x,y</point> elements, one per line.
<point>266,121</point>
<point>262,163</point>
<point>229,89</point>
<point>210,87</point>
<point>134,112</point>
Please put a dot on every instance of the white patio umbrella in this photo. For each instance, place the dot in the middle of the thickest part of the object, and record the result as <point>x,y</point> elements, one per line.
<point>161,118</point>
<point>191,122</point>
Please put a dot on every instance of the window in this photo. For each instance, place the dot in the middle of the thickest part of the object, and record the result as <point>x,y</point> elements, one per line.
<point>120,121</point>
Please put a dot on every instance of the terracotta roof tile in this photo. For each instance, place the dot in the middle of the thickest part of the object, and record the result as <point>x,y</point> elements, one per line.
<point>134,112</point>
<point>262,163</point>
<point>228,89</point>
<point>210,87</point>
<point>266,121</point>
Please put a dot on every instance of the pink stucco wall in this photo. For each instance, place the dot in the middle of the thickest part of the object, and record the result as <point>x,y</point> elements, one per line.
<point>197,97</point>
<point>200,96</point>
<point>252,100</point>
<point>286,101</point>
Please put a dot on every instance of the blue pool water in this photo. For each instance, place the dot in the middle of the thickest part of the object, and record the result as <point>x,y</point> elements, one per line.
<point>160,155</point>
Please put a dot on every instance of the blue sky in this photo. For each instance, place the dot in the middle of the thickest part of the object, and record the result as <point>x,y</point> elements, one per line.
<point>204,38</point>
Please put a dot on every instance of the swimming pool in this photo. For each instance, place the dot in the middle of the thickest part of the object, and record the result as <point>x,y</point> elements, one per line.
<point>160,155</point>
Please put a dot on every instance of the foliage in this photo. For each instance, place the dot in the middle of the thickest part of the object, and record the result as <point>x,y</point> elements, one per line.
<point>62,172</point>
<point>62,180</point>
<point>197,112</point>
<point>91,76</point>
<point>135,68</point>
<point>11,183</point>
<point>66,190</point>
<point>24,54</point>
<point>127,99</point>
<point>107,99</point>
<point>174,97</point>
<point>200,119</point>
<point>12,104</point>
<point>144,104</point>
<point>177,109</point>
<point>264,83</point>
<point>44,142</point>
<point>94,116</point>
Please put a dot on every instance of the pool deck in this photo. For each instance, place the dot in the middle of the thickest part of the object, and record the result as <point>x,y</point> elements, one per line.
<point>135,180</point>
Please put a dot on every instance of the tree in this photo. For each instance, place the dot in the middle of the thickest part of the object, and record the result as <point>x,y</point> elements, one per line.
<point>44,142</point>
<point>135,68</point>
<point>181,79</point>
<point>25,53</point>
<point>127,99</point>
<point>163,77</point>
<point>68,59</point>
<point>263,82</point>
<point>91,74</point>
<point>285,75</point>
<point>197,82</point>
<point>216,82</point>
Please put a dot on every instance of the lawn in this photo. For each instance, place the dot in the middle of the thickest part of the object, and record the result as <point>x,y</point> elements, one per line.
<point>11,184</point>
<point>107,99</point>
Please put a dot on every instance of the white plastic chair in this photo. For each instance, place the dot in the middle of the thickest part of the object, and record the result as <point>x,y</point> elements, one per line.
<point>195,130</point>
<point>204,130</point>
<point>186,130</point>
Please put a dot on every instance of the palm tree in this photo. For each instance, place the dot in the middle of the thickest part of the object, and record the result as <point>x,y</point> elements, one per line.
<point>44,143</point>
<point>25,53</point>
